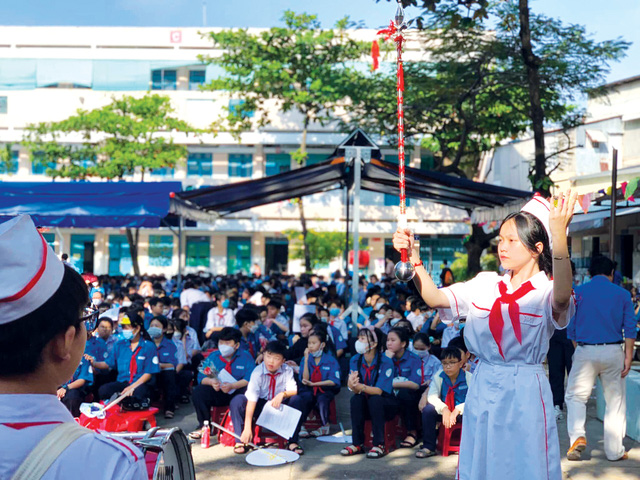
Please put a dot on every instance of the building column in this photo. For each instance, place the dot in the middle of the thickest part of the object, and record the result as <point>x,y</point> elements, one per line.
<point>218,263</point>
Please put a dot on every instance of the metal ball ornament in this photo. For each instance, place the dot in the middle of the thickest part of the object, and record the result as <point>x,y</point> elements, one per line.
<point>404,271</point>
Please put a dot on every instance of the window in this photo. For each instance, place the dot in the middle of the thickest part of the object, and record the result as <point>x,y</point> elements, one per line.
<point>394,200</point>
<point>164,79</point>
<point>197,251</point>
<point>238,255</point>
<point>277,163</point>
<point>426,161</point>
<point>3,104</point>
<point>234,103</point>
<point>394,159</point>
<point>119,255</point>
<point>160,250</point>
<point>315,158</point>
<point>196,78</point>
<point>200,164</point>
<point>12,165</point>
<point>50,238</point>
<point>163,172</point>
<point>240,165</point>
<point>38,167</point>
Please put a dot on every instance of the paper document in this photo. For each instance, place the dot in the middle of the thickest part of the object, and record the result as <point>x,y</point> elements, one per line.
<point>301,295</point>
<point>226,377</point>
<point>282,421</point>
<point>299,311</point>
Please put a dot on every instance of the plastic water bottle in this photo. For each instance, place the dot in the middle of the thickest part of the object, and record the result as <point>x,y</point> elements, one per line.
<point>205,437</point>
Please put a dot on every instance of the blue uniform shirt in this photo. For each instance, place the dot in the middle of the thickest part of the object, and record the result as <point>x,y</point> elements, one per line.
<point>604,313</point>
<point>242,364</point>
<point>84,372</point>
<point>329,368</point>
<point>99,348</point>
<point>250,344</point>
<point>383,377</point>
<point>336,337</point>
<point>168,352</point>
<point>408,366</point>
<point>430,365</point>
<point>460,389</point>
<point>146,360</point>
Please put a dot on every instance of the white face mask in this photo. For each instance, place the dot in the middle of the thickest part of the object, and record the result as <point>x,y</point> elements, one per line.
<point>317,354</point>
<point>126,303</point>
<point>361,347</point>
<point>421,353</point>
<point>177,335</point>
<point>96,301</point>
<point>380,316</point>
<point>379,305</point>
<point>226,350</point>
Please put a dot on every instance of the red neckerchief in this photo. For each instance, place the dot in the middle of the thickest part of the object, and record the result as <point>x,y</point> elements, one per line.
<point>251,349</point>
<point>368,372</point>
<point>496,322</point>
<point>272,384</point>
<point>227,364</point>
<point>316,376</point>
<point>133,364</point>
<point>450,400</point>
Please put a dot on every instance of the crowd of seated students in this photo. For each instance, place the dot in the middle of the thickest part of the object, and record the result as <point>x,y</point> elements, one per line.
<point>156,338</point>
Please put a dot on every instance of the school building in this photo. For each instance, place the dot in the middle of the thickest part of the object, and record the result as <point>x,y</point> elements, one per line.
<point>48,73</point>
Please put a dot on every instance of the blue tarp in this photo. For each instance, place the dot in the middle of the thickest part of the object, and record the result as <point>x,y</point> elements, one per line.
<point>88,204</point>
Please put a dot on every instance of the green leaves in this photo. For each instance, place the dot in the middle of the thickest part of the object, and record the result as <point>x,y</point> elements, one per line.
<point>323,246</point>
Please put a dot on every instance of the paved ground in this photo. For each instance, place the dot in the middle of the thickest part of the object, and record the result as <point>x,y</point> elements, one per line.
<point>323,461</point>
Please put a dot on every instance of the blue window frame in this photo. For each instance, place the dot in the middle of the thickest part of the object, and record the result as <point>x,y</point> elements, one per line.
<point>164,79</point>
<point>200,164</point>
<point>394,200</point>
<point>241,165</point>
<point>315,158</point>
<point>426,161</point>
<point>38,168</point>
<point>198,251</point>
<point>196,78</point>
<point>160,250</point>
<point>277,163</point>
<point>12,167</point>
<point>163,172</point>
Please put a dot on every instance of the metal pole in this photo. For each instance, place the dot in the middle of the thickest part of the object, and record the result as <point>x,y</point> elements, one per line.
<point>180,247</point>
<point>355,279</point>
<point>614,199</point>
<point>346,249</point>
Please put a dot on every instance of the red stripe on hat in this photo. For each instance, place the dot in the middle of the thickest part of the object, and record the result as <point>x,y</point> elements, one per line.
<point>537,199</point>
<point>34,280</point>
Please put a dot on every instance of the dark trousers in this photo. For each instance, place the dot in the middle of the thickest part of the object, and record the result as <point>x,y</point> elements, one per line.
<point>408,406</point>
<point>183,378</point>
<point>429,433</point>
<point>107,390</point>
<point>73,398</point>
<point>377,408</point>
<point>238,408</point>
<point>167,383</point>
<point>559,359</point>
<point>204,397</point>
<point>102,377</point>
<point>305,401</point>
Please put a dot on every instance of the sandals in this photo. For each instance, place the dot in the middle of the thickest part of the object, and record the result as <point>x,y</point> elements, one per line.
<point>352,450</point>
<point>376,452</point>
<point>241,449</point>
<point>196,434</point>
<point>295,449</point>
<point>424,453</point>
<point>320,432</point>
<point>406,444</point>
<point>168,414</point>
<point>304,433</point>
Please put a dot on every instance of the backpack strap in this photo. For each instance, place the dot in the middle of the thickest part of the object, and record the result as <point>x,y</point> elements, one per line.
<point>48,450</point>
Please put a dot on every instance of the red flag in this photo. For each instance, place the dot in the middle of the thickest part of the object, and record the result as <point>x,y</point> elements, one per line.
<point>375,54</point>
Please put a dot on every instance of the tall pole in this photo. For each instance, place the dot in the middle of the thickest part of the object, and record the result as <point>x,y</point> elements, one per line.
<point>346,247</point>
<point>614,199</point>
<point>180,248</point>
<point>355,278</point>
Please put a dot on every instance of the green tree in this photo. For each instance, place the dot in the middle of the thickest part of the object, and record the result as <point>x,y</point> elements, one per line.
<point>298,68</point>
<point>128,135</point>
<point>6,156</point>
<point>322,247</point>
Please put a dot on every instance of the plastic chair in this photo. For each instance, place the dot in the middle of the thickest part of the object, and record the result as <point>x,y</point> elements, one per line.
<point>218,415</point>
<point>392,430</point>
<point>449,439</point>
<point>313,420</point>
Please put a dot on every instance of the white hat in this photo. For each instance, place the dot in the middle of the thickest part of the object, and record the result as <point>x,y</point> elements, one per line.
<point>31,271</point>
<point>540,207</point>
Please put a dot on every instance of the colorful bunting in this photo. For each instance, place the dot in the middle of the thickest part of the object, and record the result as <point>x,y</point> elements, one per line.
<point>585,202</point>
<point>630,189</point>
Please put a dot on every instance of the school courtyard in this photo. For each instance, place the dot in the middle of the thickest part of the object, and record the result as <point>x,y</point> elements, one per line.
<point>323,460</point>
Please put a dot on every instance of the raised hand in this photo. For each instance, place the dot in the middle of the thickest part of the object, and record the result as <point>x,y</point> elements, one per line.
<point>403,239</point>
<point>561,212</point>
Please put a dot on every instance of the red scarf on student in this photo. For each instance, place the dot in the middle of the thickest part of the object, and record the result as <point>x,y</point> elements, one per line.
<point>496,321</point>
<point>133,364</point>
<point>316,376</point>
<point>227,364</point>
<point>272,385</point>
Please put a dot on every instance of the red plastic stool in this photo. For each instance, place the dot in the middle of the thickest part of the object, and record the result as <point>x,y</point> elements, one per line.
<point>262,436</point>
<point>118,420</point>
<point>449,439</point>
<point>313,420</point>
<point>223,437</point>
<point>392,429</point>
<point>218,415</point>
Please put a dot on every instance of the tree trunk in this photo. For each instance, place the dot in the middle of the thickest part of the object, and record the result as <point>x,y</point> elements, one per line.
<point>303,220</point>
<point>133,235</point>
<point>532,63</point>
<point>476,244</point>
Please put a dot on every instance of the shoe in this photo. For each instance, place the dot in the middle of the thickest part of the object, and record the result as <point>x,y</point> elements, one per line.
<point>185,399</point>
<point>320,432</point>
<point>558,411</point>
<point>624,456</point>
<point>168,414</point>
<point>304,433</point>
<point>579,446</point>
<point>196,434</point>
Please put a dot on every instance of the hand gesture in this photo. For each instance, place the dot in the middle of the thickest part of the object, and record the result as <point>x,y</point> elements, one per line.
<point>306,382</point>
<point>291,363</point>
<point>246,436</point>
<point>454,417</point>
<point>561,212</point>
<point>627,366</point>
<point>61,393</point>
<point>306,352</point>
<point>446,418</point>
<point>225,387</point>
<point>403,239</point>
<point>277,400</point>
<point>127,392</point>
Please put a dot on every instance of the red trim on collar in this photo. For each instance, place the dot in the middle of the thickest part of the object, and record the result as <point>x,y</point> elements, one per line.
<point>23,425</point>
<point>27,288</point>
<point>537,199</point>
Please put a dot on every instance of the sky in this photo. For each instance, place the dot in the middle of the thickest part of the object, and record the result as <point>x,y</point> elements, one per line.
<point>605,20</point>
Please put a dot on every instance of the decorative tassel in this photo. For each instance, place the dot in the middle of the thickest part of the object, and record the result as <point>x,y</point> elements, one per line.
<point>375,54</point>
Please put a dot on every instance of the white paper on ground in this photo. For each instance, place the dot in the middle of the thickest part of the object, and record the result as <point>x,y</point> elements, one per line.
<point>226,377</point>
<point>299,311</point>
<point>281,421</point>
<point>337,438</point>
<point>270,457</point>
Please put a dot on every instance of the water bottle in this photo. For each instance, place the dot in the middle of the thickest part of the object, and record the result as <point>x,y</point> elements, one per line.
<point>205,437</point>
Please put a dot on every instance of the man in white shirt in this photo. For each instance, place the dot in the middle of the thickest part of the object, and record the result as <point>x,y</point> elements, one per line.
<point>191,295</point>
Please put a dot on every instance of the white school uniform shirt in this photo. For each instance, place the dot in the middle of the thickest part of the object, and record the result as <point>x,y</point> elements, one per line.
<point>217,319</point>
<point>435,389</point>
<point>509,406</point>
<point>26,419</point>
<point>260,382</point>
<point>451,332</point>
<point>191,296</point>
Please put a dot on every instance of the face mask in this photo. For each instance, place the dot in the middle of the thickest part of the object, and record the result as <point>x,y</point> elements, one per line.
<point>127,334</point>
<point>379,305</point>
<point>421,353</point>
<point>177,335</point>
<point>394,322</point>
<point>254,328</point>
<point>334,312</point>
<point>97,301</point>
<point>380,316</point>
<point>126,303</point>
<point>169,335</point>
<point>317,354</point>
<point>361,347</point>
<point>324,319</point>
<point>225,304</point>
<point>226,350</point>
<point>166,311</point>
<point>154,332</point>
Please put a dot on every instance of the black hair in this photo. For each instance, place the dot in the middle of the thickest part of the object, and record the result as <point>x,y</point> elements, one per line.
<point>275,304</point>
<point>531,231</point>
<point>230,333</point>
<point>276,348</point>
<point>162,319</point>
<point>406,325</point>
<point>153,301</point>
<point>422,337</point>
<point>105,319</point>
<point>177,312</point>
<point>245,315</point>
<point>311,318</point>
<point>323,329</point>
<point>322,337</point>
<point>458,342</point>
<point>601,265</point>
<point>179,324</point>
<point>188,284</point>
<point>451,352</point>
<point>136,321</point>
<point>23,340</point>
<point>382,338</point>
<point>402,334</point>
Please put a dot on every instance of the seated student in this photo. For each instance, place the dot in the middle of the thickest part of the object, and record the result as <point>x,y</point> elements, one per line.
<point>211,392</point>
<point>336,308</point>
<point>98,347</point>
<point>219,317</point>
<point>371,381</point>
<point>170,357</point>
<point>136,360</point>
<point>188,336</point>
<point>277,322</point>
<point>450,332</point>
<point>430,363</point>
<point>382,319</point>
<point>458,342</point>
<point>296,352</point>
<point>334,334</point>
<point>320,374</point>
<point>416,316</point>
<point>247,324</point>
<point>72,393</point>
<point>156,308</point>
<point>444,399</point>
<point>406,381</point>
<point>271,381</point>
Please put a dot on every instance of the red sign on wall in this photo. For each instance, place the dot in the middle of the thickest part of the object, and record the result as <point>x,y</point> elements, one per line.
<point>176,36</point>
